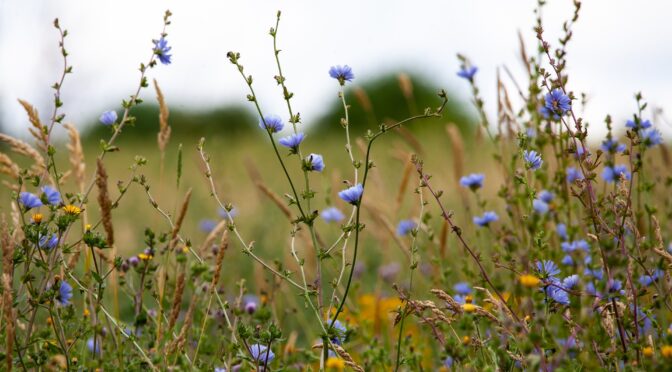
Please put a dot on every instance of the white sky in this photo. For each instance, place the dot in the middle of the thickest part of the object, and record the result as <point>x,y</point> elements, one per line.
<point>620,47</point>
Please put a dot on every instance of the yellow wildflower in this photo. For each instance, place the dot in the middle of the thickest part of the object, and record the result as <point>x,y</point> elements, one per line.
<point>72,209</point>
<point>466,340</point>
<point>529,281</point>
<point>37,218</point>
<point>469,308</point>
<point>86,313</point>
<point>647,351</point>
<point>666,351</point>
<point>145,257</point>
<point>87,227</point>
<point>335,363</point>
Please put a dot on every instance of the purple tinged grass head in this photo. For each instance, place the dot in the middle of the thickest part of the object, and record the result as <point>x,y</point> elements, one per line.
<point>405,227</point>
<point>161,50</point>
<point>486,219</point>
<point>108,117</point>
<point>332,214</point>
<point>532,160</point>
<point>473,181</point>
<point>52,195</point>
<point>341,73</point>
<point>558,102</point>
<point>292,141</point>
<point>271,123</point>
<point>467,72</point>
<point>352,194</point>
<point>314,162</point>
<point>29,200</point>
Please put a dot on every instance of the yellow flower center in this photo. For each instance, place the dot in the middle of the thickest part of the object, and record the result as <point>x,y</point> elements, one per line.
<point>335,363</point>
<point>37,218</point>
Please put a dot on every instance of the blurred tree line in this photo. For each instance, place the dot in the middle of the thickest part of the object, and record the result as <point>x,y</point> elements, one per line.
<point>383,100</point>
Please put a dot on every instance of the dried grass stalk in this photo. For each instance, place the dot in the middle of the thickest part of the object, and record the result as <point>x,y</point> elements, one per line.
<point>223,245</point>
<point>347,358</point>
<point>177,299</point>
<point>180,220</point>
<point>178,343</point>
<point>76,156</point>
<point>25,149</point>
<point>457,149</point>
<point>659,248</point>
<point>104,202</point>
<point>403,185</point>
<point>363,99</point>
<point>8,167</point>
<point>163,136</point>
<point>38,130</point>
<point>406,85</point>
<point>275,198</point>
<point>207,243</point>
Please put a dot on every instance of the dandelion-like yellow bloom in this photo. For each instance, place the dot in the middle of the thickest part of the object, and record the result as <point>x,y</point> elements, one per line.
<point>647,351</point>
<point>666,351</point>
<point>335,363</point>
<point>87,227</point>
<point>466,340</point>
<point>469,308</point>
<point>185,249</point>
<point>86,313</point>
<point>529,281</point>
<point>145,257</point>
<point>72,210</point>
<point>36,218</point>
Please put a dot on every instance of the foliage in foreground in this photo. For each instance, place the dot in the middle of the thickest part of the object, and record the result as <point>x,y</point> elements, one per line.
<point>567,270</point>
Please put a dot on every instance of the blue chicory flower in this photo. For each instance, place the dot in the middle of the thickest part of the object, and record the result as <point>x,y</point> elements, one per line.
<point>48,243</point>
<point>613,174</point>
<point>638,124</point>
<point>540,206</point>
<point>570,281</point>
<point>29,200</point>
<point>271,123</point>
<point>228,214</point>
<point>473,181</point>
<point>340,331</point>
<point>261,353</point>
<point>561,230</point>
<point>332,214</point>
<point>52,195</point>
<point>532,159</point>
<point>207,225</point>
<point>108,117</point>
<point>547,269</point>
<point>573,174</point>
<point>467,72</point>
<point>404,227</point>
<point>341,73</point>
<point>462,288</point>
<point>486,219</point>
<point>292,141</point>
<point>611,146</point>
<point>90,345</point>
<point>651,137</point>
<point>546,196</point>
<point>352,194</point>
<point>558,102</point>
<point>64,293</point>
<point>314,162</point>
<point>161,50</point>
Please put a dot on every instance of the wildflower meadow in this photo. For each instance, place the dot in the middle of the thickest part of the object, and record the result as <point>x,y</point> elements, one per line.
<point>514,240</point>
